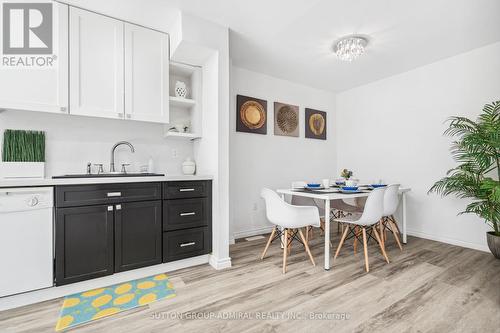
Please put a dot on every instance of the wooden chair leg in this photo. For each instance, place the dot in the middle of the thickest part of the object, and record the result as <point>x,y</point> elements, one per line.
<point>381,244</point>
<point>290,240</point>
<point>344,235</point>
<point>322,226</point>
<point>307,247</point>
<point>384,229</point>
<point>381,229</point>
<point>268,243</point>
<point>311,230</point>
<point>307,234</point>
<point>396,235</point>
<point>285,249</point>
<point>355,245</point>
<point>365,245</point>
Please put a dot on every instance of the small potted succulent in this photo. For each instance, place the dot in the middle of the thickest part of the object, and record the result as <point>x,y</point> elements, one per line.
<point>346,174</point>
<point>476,149</point>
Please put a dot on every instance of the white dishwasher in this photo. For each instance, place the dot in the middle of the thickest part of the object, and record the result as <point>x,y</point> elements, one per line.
<point>26,239</point>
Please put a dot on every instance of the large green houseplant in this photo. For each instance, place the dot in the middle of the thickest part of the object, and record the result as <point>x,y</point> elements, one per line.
<point>476,149</point>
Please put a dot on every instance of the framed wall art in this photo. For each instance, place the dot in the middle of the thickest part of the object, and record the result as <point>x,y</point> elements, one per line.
<point>315,124</point>
<point>251,115</point>
<point>286,119</point>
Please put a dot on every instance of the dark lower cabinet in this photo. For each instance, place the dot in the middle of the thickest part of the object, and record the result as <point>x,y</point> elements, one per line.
<point>137,235</point>
<point>186,243</point>
<point>106,228</point>
<point>84,243</point>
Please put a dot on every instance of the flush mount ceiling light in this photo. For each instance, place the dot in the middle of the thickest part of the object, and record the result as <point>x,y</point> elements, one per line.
<point>350,47</point>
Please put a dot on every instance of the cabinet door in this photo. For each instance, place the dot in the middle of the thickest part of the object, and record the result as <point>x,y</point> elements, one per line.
<point>146,74</point>
<point>137,235</point>
<point>44,88</point>
<point>84,243</point>
<point>96,65</point>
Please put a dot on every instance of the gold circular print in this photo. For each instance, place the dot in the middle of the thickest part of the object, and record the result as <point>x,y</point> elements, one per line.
<point>317,123</point>
<point>252,114</point>
<point>287,119</point>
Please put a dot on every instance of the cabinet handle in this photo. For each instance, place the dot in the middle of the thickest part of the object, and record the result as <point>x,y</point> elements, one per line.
<point>187,244</point>
<point>118,207</point>
<point>64,109</point>
<point>120,115</point>
<point>129,116</point>
<point>114,194</point>
<point>110,208</point>
<point>186,189</point>
<point>187,214</point>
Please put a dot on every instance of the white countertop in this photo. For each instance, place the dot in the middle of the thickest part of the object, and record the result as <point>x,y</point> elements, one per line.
<point>98,180</point>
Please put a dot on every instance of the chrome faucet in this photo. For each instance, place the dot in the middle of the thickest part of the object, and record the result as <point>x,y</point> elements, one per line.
<point>112,162</point>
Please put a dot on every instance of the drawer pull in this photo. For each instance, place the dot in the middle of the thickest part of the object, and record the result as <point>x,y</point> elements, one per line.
<point>187,214</point>
<point>114,194</point>
<point>186,189</point>
<point>187,244</point>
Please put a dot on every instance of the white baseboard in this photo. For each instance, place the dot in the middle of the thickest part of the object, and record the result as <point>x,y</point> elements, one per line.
<point>41,295</point>
<point>219,263</point>
<point>451,241</point>
<point>253,232</point>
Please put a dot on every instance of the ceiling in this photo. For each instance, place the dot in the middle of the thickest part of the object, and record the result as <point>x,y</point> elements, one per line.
<point>292,39</point>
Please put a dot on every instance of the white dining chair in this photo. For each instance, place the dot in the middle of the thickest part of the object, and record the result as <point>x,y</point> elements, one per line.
<point>288,220</point>
<point>365,224</point>
<point>388,222</point>
<point>304,201</point>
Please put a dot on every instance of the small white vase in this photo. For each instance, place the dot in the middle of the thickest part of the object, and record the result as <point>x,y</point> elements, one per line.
<point>180,89</point>
<point>188,167</point>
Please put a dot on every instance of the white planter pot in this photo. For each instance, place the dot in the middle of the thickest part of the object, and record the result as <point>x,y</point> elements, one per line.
<point>13,170</point>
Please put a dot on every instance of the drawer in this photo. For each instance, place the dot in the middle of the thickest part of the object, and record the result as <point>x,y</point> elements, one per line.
<point>183,189</point>
<point>98,194</point>
<point>186,243</point>
<point>185,213</point>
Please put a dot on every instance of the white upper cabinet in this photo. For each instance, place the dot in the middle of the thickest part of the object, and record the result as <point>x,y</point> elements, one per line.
<point>28,86</point>
<point>146,74</point>
<point>96,56</point>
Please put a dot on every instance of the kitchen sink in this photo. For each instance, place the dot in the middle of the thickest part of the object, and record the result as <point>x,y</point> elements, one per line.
<point>101,175</point>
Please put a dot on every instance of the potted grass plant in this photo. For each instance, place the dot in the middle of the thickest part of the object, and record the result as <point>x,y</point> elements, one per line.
<point>23,154</point>
<point>476,149</point>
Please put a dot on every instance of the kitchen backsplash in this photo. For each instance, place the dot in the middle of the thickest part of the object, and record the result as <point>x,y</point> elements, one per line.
<point>73,141</point>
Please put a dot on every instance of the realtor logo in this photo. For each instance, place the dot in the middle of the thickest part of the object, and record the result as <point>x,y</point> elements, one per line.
<point>27,35</point>
<point>27,28</point>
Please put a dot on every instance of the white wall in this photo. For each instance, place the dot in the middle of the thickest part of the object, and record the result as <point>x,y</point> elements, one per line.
<point>207,44</point>
<point>72,141</point>
<point>258,161</point>
<point>392,129</point>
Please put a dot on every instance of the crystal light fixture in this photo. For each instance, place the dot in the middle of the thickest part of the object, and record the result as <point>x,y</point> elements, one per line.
<point>350,47</point>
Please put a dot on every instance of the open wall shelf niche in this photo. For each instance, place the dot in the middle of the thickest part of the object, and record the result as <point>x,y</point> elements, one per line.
<point>185,111</point>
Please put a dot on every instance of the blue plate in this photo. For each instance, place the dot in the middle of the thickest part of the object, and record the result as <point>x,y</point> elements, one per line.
<point>350,191</point>
<point>378,185</point>
<point>350,188</point>
<point>312,185</point>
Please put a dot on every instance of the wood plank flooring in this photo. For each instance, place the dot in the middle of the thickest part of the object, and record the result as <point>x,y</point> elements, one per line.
<point>429,287</point>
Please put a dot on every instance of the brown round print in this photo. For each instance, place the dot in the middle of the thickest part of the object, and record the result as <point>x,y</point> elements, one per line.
<point>317,123</point>
<point>252,114</point>
<point>287,119</point>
